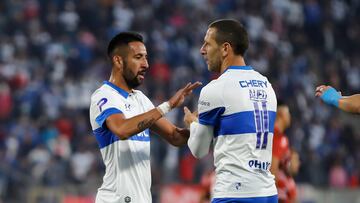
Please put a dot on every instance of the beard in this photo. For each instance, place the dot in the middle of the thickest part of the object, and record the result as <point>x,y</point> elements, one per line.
<point>131,79</point>
<point>215,66</point>
<point>214,60</point>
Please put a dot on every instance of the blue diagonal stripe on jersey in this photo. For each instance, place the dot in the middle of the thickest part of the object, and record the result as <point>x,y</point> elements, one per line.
<point>143,136</point>
<point>100,119</point>
<point>211,117</point>
<point>105,137</point>
<point>240,123</point>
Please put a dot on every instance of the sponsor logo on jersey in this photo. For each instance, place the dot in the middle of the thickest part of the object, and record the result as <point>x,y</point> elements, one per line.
<point>253,83</point>
<point>101,103</point>
<point>257,164</point>
<point>204,103</point>
<point>127,107</point>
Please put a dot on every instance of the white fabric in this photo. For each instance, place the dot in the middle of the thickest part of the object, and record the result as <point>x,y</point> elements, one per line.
<point>200,139</point>
<point>127,176</point>
<point>238,105</point>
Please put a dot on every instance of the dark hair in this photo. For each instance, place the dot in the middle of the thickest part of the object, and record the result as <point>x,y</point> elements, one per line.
<point>233,32</point>
<point>121,39</point>
<point>280,102</point>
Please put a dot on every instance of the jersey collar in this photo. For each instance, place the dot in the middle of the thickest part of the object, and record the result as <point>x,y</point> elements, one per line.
<point>239,68</point>
<point>121,91</point>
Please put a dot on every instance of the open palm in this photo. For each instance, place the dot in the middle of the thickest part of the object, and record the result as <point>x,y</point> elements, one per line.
<point>179,97</point>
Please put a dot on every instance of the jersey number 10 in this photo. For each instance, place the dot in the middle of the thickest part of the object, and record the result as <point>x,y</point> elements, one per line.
<point>262,124</point>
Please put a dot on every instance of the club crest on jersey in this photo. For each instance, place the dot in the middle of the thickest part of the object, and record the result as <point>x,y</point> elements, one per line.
<point>127,199</point>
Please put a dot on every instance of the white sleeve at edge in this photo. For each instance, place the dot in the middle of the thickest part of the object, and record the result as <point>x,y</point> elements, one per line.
<point>200,139</point>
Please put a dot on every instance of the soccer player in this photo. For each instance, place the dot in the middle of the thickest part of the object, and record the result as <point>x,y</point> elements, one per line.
<point>236,115</point>
<point>121,117</point>
<point>282,157</point>
<point>330,96</point>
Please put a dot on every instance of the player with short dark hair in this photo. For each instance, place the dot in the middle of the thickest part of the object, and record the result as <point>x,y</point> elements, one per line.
<point>122,40</point>
<point>236,115</point>
<point>121,118</point>
<point>228,31</point>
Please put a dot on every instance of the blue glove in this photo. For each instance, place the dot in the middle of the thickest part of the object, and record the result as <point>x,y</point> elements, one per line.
<point>331,96</point>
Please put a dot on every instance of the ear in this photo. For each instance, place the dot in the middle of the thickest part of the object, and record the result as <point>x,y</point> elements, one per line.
<point>117,60</point>
<point>281,113</point>
<point>225,50</point>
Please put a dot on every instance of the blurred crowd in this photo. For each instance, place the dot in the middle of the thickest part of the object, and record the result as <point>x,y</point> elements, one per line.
<point>53,55</point>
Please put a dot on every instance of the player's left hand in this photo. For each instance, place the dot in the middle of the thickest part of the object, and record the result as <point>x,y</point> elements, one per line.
<point>189,117</point>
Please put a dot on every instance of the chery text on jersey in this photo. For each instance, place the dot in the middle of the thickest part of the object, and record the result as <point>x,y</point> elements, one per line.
<point>241,106</point>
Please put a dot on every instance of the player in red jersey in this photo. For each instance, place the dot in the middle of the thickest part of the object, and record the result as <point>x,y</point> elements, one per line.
<point>285,162</point>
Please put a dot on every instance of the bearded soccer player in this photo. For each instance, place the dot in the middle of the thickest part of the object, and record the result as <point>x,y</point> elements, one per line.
<point>121,118</point>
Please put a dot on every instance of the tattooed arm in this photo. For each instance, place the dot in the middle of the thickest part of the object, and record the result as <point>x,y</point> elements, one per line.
<point>127,127</point>
<point>172,134</point>
<point>151,119</point>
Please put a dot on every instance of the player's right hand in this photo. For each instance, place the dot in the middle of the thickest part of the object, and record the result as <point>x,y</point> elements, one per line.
<point>328,95</point>
<point>179,97</point>
<point>190,117</point>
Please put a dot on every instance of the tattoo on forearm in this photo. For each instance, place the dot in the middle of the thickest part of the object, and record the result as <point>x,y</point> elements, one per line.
<point>142,125</point>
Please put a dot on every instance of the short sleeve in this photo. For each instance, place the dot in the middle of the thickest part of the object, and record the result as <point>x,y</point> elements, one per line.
<point>103,105</point>
<point>146,101</point>
<point>210,105</point>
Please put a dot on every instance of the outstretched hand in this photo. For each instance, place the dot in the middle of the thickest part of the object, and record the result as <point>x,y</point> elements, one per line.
<point>320,90</point>
<point>179,97</point>
<point>328,95</point>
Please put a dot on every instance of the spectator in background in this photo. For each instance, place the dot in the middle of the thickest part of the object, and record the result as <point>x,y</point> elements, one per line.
<point>285,162</point>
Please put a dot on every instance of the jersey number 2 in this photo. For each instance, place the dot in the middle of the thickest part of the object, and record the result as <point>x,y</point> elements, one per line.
<point>262,124</point>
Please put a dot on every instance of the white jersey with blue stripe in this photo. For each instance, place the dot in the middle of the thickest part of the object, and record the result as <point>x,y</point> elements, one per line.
<point>128,176</point>
<point>241,107</point>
